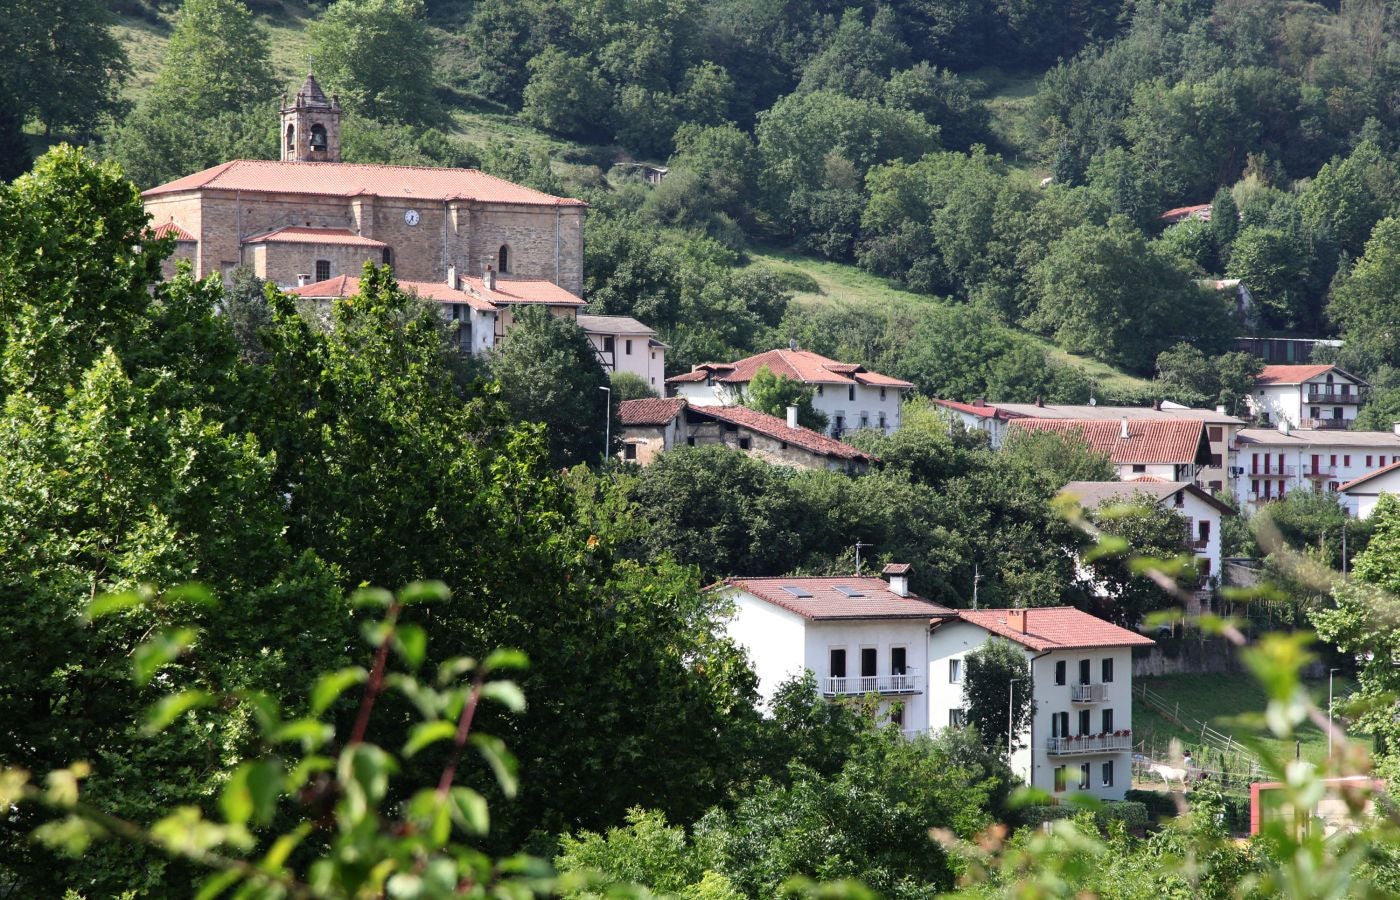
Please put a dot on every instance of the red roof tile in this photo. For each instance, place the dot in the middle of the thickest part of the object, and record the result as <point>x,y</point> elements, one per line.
<point>877,601</point>
<point>778,429</point>
<point>650,410</point>
<point>1055,628</point>
<point>801,365</point>
<point>298,235</point>
<point>1291,374</point>
<point>1159,441</point>
<point>351,180</point>
<point>1186,212</point>
<point>1369,475</point>
<point>985,411</point>
<point>898,569</point>
<point>349,286</point>
<point>521,290</point>
<point>170,228</point>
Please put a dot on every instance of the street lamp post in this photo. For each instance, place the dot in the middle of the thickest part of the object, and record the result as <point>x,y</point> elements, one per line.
<point>607,423</point>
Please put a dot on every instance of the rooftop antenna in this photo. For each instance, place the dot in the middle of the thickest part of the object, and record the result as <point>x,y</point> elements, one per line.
<point>858,546</point>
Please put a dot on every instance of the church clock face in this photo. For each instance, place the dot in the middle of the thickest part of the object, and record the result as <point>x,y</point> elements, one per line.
<point>411,217</point>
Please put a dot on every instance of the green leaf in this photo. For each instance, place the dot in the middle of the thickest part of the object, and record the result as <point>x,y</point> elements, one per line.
<point>189,592</point>
<point>311,732</point>
<point>265,711</point>
<point>368,596</point>
<point>470,811</point>
<point>276,858</point>
<point>374,633</point>
<point>502,762</point>
<point>506,693</point>
<point>427,733</point>
<point>170,707</point>
<point>332,684</point>
<point>411,643</point>
<point>506,659</point>
<point>161,650</point>
<point>216,884</point>
<point>252,792</point>
<point>434,814</point>
<point>305,768</point>
<point>454,668</point>
<point>107,604</point>
<point>424,592</point>
<point>428,701</point>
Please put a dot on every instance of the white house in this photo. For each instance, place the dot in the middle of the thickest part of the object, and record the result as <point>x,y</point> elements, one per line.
<point>1316,396</point>
<point>625,345</point>
<point>858,635</point>
<point>846,393</point>
<point>1169,449</point>
<point>1360,495</point>
<point>1081,680</point>
<point>1278,461</point>
<point>1203,513</point>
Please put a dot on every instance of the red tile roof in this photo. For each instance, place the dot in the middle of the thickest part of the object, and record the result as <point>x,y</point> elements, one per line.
<point>1369,475</point>
<point>778,429</point>
<point>984,411</point>
<point>877,601</point>
<point>1291,374</point>
<point>1158,441</point>
<point>298,235</point>
<point>1094,494</point>
<point>521,290</point>
<point>650,410</point>
<point>351,180</point>
<point>1055,628</point>
<point>1186,212</point>
<point>802,365</point>
<point>349,286</point>
<point>170,228</point>
<point>898,569</point>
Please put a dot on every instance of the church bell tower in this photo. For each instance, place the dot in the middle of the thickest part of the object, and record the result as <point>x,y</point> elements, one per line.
<point>311,125</point>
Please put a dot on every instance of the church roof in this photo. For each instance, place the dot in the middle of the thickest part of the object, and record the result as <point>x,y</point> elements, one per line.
<point>170,228</point>
<point>521,290</point>
<point>311,93</point>
<point>349,286</point>
<point>298,235</point>
<point>354,180</point>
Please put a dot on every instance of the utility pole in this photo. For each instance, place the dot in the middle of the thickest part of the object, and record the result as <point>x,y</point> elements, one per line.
<point>859,544</point>
<point>976,577</point>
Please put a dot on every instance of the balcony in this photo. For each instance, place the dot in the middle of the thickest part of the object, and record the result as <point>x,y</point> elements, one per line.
<point>1321,472</point>
<point>1087,693</point>
<point>1280,472</point>
<point>1333,397</point>
<point>1326,424</point>
<point>870,684</point>
<point>1089,743</point>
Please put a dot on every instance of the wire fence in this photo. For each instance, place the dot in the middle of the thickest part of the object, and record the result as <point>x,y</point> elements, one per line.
<point>1213,755</point>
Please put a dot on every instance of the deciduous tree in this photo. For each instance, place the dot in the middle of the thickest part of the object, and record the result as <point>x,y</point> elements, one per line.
<point>991,674</point>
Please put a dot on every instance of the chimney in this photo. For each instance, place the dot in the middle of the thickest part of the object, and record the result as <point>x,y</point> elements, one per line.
<point>898,573</point>
<point>792,418</point>
<point>792,344</point>
<point>1283,425</point>
<point>1039,400</point>
<point>980,402</point>
<point>452,277</point>
<point>488,278</point>
<point>1220,408</point>
<point>1396,428</point>
<point>1123,429</point>
<point>1157,405</point>
<point>1016,618</point>
<point>303,280</point>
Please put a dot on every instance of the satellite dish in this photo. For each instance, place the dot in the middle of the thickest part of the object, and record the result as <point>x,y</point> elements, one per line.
<point>1093,402</point>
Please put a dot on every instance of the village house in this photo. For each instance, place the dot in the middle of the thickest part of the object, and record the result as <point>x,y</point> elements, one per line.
<point>1307,397</point>
<point>309,217</point>
<point>651,426</point>
<point>1202,512</point>
<point>858,635</point>
<point>1215,474</point>
<point>1360,495</point>
<point>1172,450</point>
<point>485,310</point>
<point>848,394</point>
<point>1081,681</point>
<point>1278,461</point>
<point>625,345</point>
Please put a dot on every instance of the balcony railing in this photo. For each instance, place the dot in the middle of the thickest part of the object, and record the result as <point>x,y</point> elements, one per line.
<point>1085,744</point>
<point>1320,472</point>
<point>1333,397</point>
<point>870,684</point>
<point>1200,545</point>
<point>1087,693</point>
<point>1326,424</point>
<point>1279,472</point>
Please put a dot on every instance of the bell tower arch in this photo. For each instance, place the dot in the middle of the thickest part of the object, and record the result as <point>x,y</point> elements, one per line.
<point>311,125</point>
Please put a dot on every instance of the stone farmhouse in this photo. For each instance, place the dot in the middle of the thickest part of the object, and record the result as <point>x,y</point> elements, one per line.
<point>310,217</point>
<point>651,426</point>
<point>848,394</point>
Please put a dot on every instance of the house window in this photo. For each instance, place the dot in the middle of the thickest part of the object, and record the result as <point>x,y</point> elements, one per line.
<point>864,420</point>
<point>745,443</point>
<point>1215,462</point>
<point>1368,462</point>
<point>1203,532</point>
<point>838,662</point>
<point>1380,460</point>
<point>627,347</point>
<point>882,421</point>
<point>1084,671</point>
<point>323,269</point>
<point>629,451</point>
<point>851,393</point>
<point>867,662</point>
<point>897,715</point>
<point>608,344</point>
<point>955,671</point>
<point>1215,433</point>
<point>690,441</point>
<point>1059,724</point>
<point>1084,723</point>
<point>898,660</point>
<point>503,259</point>
<point>1346,459</point>
<point>1107,721</point>
<point>957,718</point>
<point>838,427</point>
<point>1059,779</point>
<point>1139,468</point>
<point>1083,776</point>
<point>1179,499</point>
<point>1217,486</point>
<point>1106,670</point>
<point>1108,774</point>
<point>882,393</point>
<point>1254,486</point>
<point>387,257</point>
<point>1060,672</point>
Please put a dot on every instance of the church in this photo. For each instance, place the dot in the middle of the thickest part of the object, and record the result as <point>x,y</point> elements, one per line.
<point>310,218</point>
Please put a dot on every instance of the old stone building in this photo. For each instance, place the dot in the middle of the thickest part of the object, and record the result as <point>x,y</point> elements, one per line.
<point>310,217</point>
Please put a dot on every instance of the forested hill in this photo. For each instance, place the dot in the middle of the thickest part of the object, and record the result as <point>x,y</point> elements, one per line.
<point>1010,158</point>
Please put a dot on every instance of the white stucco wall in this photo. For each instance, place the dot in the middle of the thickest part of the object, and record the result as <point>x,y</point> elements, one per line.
<point>883,635</point>
<point>1198,510</point>
<point>1353,461</point>
<point>773,639</point>
<point>832,400</point>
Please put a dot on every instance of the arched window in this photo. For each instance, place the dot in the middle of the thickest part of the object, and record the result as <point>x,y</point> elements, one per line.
<point>323,269</point>
<point>318,137</point>
<point>503,260</point>
<point>388,256</point>
<point>291,138</point>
